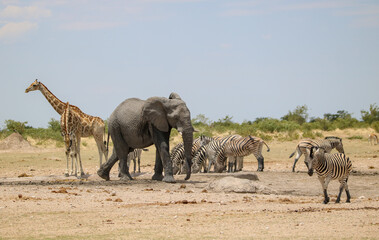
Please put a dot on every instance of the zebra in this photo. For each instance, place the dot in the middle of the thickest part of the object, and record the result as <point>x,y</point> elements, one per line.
<point>199,160</point>
<point>177,154</point>
<point>328,143</point>
<point>241,147</point>
<point>372,139</point>
<point>214,148</point>
<point>136,154</point>
<point>329,166</point>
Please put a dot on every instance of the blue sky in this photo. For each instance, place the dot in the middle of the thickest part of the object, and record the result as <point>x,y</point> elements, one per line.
<point>245,59</point>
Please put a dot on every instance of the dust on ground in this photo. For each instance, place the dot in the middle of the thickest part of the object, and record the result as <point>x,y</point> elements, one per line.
<point>38,202</point>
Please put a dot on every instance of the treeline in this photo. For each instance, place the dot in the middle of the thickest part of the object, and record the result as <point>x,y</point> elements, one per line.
<point>293,125</point>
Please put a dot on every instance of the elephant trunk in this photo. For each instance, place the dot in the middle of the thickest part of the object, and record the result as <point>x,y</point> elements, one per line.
<point>187,141</point>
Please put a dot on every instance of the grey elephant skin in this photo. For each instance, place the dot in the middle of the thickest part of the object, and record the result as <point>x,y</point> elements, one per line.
<point>137,123</point>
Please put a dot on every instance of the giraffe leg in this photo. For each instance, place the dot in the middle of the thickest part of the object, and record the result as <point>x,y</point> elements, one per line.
<point>80,171</point>
<point>68,164</point>
<point>101,147</point>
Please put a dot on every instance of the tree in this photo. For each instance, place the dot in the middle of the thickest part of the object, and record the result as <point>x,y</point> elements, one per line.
<point>200,119</point>
<point>54,125</point>
<point>299,115</point>
<point>342,114</point>
<point>372,115</point>
<point>14,126</point>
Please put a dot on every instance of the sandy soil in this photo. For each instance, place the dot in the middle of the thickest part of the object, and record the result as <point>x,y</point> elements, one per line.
<point>38,202</point>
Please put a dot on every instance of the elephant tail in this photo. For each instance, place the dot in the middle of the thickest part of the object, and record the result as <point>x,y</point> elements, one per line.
<point>107,142</point>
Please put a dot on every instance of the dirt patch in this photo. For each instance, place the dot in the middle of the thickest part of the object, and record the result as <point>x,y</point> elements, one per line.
<point>39,202</point>
<point>15,142</point>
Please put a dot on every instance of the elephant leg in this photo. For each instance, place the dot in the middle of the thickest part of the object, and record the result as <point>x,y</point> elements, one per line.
<point>158,168</point>
<point>163,160</point>
<point>124,168</point>
<point>104,170</point>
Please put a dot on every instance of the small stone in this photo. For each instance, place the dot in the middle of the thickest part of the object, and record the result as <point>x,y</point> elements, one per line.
<point>113,193</point>
<point>19,195</point>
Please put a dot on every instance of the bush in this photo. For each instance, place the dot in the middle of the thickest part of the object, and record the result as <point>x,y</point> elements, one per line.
<point>54,125</point>
<point>299,115</point>
<point>14,126</point>
<point>375,126</point>
<point>372,115</point>
<point>44,134</point>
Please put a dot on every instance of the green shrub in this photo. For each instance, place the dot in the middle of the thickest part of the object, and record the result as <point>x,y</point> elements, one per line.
<point>44,134</point>
<point>355,137</point>
<point>308,134</point>
<point>14,126</point>
<point>54,125</point>
<point>375,126</point>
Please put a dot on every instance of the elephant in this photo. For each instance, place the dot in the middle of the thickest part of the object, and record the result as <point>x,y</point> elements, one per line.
<point>137,123</point>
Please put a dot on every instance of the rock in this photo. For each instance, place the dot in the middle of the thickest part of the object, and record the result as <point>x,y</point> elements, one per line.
<point>238,185</point>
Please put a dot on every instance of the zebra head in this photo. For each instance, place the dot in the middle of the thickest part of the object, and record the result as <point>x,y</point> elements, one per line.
<point>204,140</point>
<point>336,143</point>
<point>312,158</point>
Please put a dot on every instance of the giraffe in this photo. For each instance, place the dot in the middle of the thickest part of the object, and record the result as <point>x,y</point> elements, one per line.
<point>71,131</point>
<point>90,125</point>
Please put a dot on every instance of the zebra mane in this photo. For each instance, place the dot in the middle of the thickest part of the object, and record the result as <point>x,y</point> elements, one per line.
<point>333,137</point>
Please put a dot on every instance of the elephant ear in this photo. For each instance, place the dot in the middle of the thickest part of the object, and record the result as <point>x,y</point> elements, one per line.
<point>155,113</point>
<point>174,96</point>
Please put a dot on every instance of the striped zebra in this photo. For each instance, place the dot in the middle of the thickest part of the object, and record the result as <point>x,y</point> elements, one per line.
<point>329,166</point>
<point>136,154</point>
<point>199,160</point>
<point>178,157</point>
<point>328,144</point>
<point>241,147</point>
<point>214,149</point>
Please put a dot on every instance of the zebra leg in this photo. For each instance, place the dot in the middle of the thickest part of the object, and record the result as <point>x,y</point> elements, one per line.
<point>232,161</point>
<point>347,192</point>
<point>260,163</point>
<point>298,155</point>
<point>134,162</point>
<point>339,194</point>
<point>325,182</point>
<point>139,164</point>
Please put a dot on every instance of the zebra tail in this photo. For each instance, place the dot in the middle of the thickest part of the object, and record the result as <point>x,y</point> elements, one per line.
<point>292,154</point>
<point>268,148</point>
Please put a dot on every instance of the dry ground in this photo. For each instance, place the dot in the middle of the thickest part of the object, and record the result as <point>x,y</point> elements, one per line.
<point>45,204</point>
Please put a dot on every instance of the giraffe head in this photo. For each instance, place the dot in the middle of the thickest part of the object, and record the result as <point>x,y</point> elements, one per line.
<point>34,86</point>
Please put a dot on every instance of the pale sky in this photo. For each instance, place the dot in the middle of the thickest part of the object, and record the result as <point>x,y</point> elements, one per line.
<point>245,59</point>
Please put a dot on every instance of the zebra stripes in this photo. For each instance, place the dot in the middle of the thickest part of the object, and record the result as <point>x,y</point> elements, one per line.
<point>178,157</point>
<point>136,154</point>
<point>241,147</point>
<point>330,166</point>
<point>215,150</point>
<point>328,144</point>
<point>199,160</point>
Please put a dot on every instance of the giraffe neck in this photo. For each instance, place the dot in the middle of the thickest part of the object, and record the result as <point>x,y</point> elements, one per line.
<point>57,104</point>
